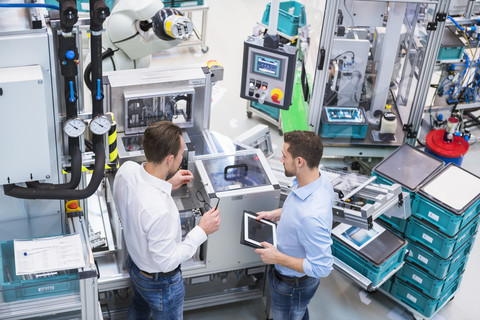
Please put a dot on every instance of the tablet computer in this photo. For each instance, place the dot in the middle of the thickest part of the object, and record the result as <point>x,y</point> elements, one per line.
<point>255,231</point>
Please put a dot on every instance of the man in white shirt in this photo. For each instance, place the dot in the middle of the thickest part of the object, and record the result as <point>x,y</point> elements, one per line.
<point>151,224</point>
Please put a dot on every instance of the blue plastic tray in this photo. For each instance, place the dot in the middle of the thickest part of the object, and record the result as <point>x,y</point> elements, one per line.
<point>433,264</point>
<point>438,242</point>
<point>427,284</point>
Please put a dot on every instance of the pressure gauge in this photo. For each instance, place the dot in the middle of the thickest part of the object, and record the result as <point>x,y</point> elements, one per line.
<point>74,127</point>
<point>100,125</point>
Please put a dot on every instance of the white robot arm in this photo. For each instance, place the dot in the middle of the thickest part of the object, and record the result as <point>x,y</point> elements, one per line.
<point>138,28</point>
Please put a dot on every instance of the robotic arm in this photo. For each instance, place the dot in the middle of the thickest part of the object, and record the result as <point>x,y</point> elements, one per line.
<point>138,28</point>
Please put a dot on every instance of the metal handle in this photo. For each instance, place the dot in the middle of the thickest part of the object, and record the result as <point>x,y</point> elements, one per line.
<point>235,166</point>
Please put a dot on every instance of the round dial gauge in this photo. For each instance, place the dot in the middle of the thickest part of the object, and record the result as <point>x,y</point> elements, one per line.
<point>74,127</point>
<point>100,125</point>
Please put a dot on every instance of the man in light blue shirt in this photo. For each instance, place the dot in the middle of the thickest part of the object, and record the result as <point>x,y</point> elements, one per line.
<point>303,253</point>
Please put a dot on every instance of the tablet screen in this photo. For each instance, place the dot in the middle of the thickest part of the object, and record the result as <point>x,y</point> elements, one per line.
<point>257,231</point>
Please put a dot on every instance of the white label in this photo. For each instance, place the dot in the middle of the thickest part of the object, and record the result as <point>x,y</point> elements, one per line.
<point>196,82</point>
<point>427,237</point>
<point>412,298</point>
<point>422,258</point>
<point>433,216</point>
<point>51,288</point>
<point>417,278</point>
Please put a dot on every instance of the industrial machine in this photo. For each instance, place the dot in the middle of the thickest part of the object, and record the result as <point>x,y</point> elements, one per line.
<point>268,70</point>
<point>58,179</point>
<point>374,64</point>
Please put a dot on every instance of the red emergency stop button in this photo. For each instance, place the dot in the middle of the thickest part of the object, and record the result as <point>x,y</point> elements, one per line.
<point>276,95</point>
<point>73,205</point>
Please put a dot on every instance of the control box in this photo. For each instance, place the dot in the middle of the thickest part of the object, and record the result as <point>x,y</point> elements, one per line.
<point>268,74</point>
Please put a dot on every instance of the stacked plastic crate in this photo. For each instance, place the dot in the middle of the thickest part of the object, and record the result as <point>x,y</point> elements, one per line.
<point>440,234</point>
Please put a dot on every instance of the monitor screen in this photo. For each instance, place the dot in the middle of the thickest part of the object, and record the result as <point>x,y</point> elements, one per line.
<point>257,231</point>
<point>267,66</point>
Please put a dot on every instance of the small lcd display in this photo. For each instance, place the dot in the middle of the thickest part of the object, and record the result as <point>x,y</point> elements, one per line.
<point>257,231</point>
<point>267,66</point>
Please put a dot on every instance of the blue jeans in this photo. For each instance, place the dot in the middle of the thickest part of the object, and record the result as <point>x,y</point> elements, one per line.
<point>290,300</point>
<point>160,298</point>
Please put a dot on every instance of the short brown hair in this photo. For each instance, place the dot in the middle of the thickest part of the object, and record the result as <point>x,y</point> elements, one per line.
<point>305,144</point>
<point>160,140</point>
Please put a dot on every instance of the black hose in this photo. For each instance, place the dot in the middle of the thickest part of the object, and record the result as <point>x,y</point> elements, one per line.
<point>13,190</point>
<point>88,70</point>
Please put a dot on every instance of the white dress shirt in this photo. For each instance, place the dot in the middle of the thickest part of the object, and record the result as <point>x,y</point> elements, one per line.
<point>150,220</point>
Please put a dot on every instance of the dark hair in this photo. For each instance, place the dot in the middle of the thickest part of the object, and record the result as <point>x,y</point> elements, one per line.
<point>305,144</point>
<point>160,140</point>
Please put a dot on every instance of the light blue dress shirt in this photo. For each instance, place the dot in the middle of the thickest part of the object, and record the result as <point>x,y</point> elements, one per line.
<point>304,230</point>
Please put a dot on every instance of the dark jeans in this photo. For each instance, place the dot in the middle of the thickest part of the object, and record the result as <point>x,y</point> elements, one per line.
<point>157,297</point>
<point>290,300</point>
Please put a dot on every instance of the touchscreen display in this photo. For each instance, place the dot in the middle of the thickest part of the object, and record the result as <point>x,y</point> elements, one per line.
<point>259,231</point>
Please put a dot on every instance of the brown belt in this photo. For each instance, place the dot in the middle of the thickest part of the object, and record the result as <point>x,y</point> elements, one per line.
<point>160,274</point>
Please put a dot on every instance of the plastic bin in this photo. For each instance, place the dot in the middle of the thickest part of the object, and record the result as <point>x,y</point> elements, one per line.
<point>452,47</point>
<point>449,200</point>
<point>426,283</point>
<point>435,265</point>
<point>13,287</point>
<point>438,242</point>
<point>291,16</point>
<point>420,302</point>
<point>344,128</point>
<point>375,270</point>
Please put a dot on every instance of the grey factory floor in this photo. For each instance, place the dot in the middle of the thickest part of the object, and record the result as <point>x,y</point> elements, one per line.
<point>229,23</point>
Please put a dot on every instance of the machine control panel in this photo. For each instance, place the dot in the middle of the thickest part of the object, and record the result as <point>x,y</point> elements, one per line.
<point>268,74</point>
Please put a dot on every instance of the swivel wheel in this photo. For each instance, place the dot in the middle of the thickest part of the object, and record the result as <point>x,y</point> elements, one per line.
<point>204,50</point>
<point>249,114</point>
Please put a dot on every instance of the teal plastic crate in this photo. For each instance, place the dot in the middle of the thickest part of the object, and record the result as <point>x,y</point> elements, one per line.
<point>397,224</point>
<point>450,53</point>
<point>187,3</point>
<point>291,16</point>
<point>271,111</point>
<point>443,220</point>
<point>448,208</point>
<point>427,284</point>
<point>373,272</point>
<point>167,4</point>
<point>13,287</point>
<point>355,128</point>
<point>439,243</point>
<point>420,302</point>
<point>435,265</point>
<point>82,5</point>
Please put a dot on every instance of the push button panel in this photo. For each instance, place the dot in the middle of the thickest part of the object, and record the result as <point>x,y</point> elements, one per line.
<point>264,91</point>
